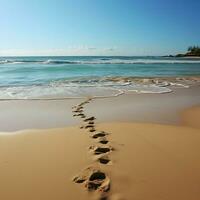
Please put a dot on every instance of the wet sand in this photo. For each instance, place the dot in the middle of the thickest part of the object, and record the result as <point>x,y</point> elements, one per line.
<point>132,107</point>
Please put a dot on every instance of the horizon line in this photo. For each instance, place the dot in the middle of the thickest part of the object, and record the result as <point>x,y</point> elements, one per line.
<point>86,56</point>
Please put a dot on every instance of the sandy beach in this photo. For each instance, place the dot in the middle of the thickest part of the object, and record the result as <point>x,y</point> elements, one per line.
<point>99,100</point>
<point>133,148</point>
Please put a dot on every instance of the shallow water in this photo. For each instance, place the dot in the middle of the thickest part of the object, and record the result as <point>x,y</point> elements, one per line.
<point>50,77</point>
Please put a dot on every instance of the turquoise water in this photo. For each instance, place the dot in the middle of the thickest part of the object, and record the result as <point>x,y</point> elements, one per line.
<point>24,76</point>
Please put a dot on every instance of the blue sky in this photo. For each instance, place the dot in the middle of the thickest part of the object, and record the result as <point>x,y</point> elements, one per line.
<point>98,27</point>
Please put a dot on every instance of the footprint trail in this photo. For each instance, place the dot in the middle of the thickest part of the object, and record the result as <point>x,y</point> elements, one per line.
<point>93,178</point>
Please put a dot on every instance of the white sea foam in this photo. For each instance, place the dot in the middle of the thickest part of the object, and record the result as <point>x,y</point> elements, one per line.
<point>103,61</point>
<point>57,90</point>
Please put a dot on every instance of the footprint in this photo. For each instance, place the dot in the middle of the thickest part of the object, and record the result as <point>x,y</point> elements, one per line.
<point>98,181</point>
<point>92,130</point>
<point>104,160</point>
<point>90,122</point>
<point>78,111</point>
<point>105,187</point>
<point>83,103</point>
<point>79,115</point>
<point>99,134</point>
<point>89,119</point>
<point>103,140</point>
<point>77,108</point>
<point>89,126</point>
<point>88,100</point>
<point>100,150</point>
<point>93,179</point>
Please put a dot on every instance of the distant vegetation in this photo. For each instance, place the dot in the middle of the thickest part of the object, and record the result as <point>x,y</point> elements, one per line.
<point>195,50</point>
<point>192,51</point>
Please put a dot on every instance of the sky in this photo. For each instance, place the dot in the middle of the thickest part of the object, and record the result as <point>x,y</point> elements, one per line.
<point>98,27</point>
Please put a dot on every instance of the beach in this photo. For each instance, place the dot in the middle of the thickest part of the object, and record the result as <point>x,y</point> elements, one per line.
<point>151,144</point>
<point>99,100</point>
<point>99,128</point>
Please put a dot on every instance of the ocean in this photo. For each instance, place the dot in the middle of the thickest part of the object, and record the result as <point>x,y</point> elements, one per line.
<point>76,76</point>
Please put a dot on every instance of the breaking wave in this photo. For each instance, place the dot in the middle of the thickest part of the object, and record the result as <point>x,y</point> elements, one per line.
<point>101,61</point>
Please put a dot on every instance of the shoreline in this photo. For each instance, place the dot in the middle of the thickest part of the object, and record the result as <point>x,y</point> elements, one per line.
<point>130,107</point>
<point>104,87</point>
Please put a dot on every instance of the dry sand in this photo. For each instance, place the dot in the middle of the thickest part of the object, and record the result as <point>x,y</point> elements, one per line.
<point>191,117</point>
<point>155,161</point>
<point>147,161</point>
